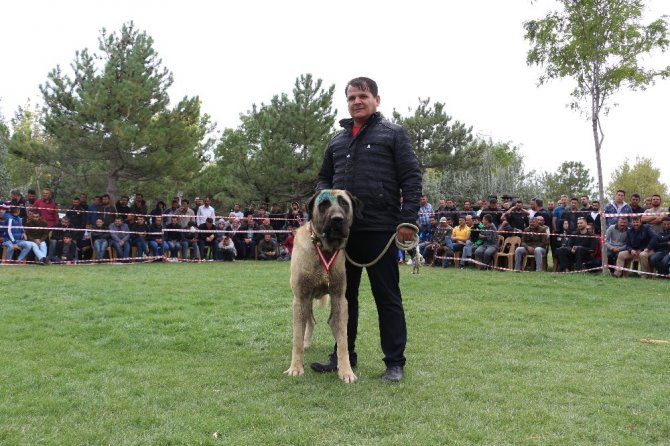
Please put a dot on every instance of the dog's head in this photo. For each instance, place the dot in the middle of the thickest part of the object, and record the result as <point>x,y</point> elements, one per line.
<point>331,212</point>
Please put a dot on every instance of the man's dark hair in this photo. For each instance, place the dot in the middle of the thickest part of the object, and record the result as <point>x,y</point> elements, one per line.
<point>635,195</point>
<point>622,191</point>
<point>666,218</point>
<point>538,202</point>
<point>105,195</point>
<point>32,191</point>
<point>363,83</point>
<point>488,218</point>
<point>636,217</point>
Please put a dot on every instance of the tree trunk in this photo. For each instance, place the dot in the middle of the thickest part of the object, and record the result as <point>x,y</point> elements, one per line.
<point>601,194</point>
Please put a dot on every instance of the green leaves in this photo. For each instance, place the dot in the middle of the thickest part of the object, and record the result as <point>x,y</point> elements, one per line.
<point>112,118</point>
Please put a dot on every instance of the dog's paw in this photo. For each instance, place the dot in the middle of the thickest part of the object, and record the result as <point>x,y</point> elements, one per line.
<point>347,376</point>
<point>295,370</point>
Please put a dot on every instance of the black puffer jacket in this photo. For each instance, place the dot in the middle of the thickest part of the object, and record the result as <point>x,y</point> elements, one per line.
<point>376,166</point>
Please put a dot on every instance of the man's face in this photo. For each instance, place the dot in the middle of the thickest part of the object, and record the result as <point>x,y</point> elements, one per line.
<point>83,198</point>
<point>140,220</point>
<point>540,220</point>
<point>139,198</point>
<point>619,197</point>
<point>637,224</point>
<point>33,216</point>
<point>533,223</point>
<point>622,224</point>
<point>655,201</point>
<point>424,200</point>
<point>581,224</point>
<point>518,206</point>
<point>450,203</point>
<point>461,221</point>
<point>207,202</point>
<point>123,201</point>
<point>173,220</point>
<point>666,226</point>
<point>443,203</point>
<point>361,104</point>
<point>30,197</point>
<point>118,221</point>
<point>467,206</point>
<point>65,221</point>
<point>595,206</point>
<point>105,201</point>
<point>635,201</point>
<point>46,194</point>
<point>75,202</point>
<point>432,221</point>
<point>158,220</point>
<point>564,200</point>
<point>550,205</point>
<point>585,201</point>
<point>647,203</point>
<point>573,204</point>
<point>468,220</point>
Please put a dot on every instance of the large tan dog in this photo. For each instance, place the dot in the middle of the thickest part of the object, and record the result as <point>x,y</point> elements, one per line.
<point>317,270</point>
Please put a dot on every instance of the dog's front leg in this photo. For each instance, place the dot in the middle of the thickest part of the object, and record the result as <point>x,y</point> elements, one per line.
<point>339,316</point>
<point>300,313</point>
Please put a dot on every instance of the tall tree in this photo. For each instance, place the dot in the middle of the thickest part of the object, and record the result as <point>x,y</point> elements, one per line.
<point>641,177</point>
<point>278,149</point>
<point>112,118</point>
<point>598,43</point>
<point>5,179</point>
<point>572,179</point>
<point>439,143</point>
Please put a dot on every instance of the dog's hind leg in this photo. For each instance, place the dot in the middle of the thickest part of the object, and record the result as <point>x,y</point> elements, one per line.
<point>309,328</point>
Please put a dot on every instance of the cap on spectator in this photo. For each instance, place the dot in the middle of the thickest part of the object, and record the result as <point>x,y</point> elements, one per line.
<point>443,220</point>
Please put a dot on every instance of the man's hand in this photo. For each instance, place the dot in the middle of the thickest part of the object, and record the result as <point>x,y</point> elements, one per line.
<point>406,234</point>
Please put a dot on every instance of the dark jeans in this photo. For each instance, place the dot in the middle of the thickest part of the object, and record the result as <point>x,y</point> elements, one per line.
<point>566,258</point>
<point>384,282</point>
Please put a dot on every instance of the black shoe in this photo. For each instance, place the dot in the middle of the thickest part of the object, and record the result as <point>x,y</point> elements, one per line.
<point>328,367</point>
<point>325,367</point>
<point>393,373</point>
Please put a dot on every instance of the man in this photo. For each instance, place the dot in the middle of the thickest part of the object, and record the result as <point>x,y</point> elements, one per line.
<point>618,206</point>
<point>571,214</point>
<point>639,240</point>
<point>120,235</point>
<point>534,242</point>
<point>174,239</point>
<point>488,235</point>
<point>267,247</point>
<point>426,237</point>
<point>425,212</point>
<point>155,238</point>
<point>47,208</point>
<point>186,214</point>
<point>635,204</point>
<point>14,235</point>
<point>586,207</point>
<point>207,239</point>
<point>205,211</point>
<point>435,250</point>
<point>37,234</point>
<point>460,235</point>
<point>517,216</point>
<point>77,214</point>
<point>654,215</point>
<point>557,213</point>
<point>537,205</point>
<point>106,210</point>
<point>615,239</point>
<point>122,207</point>
<point>57,232</point>
<point>578,248</point>
<point>373,159</point>
<point>19,201</point>
<point>139,206</point>
<point>494,211</point>
<point>593,217</point>
<point>660,259</point>
<point>467,208</point>
<point>138,237</point>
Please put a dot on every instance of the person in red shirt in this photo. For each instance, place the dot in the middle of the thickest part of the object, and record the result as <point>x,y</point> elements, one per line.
<point>47,208</point>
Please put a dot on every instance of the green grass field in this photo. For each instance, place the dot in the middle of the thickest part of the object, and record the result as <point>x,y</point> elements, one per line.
<point>189,354</point>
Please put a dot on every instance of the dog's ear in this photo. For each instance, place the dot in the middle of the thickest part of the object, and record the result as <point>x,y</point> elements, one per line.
<point>310,206</point>
<point>357,206</point>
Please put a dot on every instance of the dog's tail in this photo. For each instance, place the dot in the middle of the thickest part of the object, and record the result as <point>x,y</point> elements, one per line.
<point>323,300</point>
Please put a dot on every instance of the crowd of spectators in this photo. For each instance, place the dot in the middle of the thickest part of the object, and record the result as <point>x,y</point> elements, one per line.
<point>43,231</point>
<point>568,231</point>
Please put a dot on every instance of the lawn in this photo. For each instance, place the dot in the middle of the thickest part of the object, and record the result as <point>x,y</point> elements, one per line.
<point>188,354</point>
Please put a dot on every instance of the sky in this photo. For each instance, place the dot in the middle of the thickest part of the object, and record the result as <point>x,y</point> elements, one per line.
<point>470,55</point>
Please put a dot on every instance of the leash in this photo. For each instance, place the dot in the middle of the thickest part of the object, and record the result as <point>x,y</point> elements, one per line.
<point>406,245</point>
